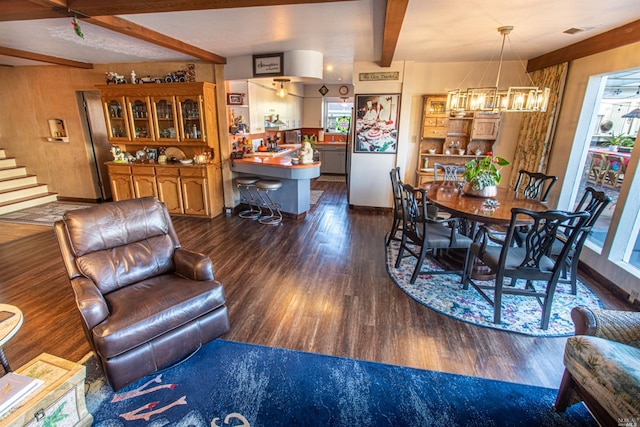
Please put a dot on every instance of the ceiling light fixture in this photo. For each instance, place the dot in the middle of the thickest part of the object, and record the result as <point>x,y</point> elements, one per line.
<point>491,99</point>
<point>281,92</point>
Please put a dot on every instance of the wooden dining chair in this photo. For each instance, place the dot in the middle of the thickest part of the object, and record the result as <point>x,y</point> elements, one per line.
<point>396,187</point>
<point>422,235</point>
<point>447,171</point>
<point>532,261</point>
<point>597,166</point>
<point>534,185</point>
<point>594,202</point>
<point>614,173</point>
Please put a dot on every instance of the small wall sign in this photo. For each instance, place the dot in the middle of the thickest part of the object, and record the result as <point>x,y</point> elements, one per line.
<point>384,75</point>
<point>268,65</point>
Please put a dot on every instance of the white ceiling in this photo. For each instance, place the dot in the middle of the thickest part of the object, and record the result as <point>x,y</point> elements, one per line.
<point>432,31</point>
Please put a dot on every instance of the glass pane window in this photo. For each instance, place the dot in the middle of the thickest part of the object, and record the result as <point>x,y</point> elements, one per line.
<point>337,116</point>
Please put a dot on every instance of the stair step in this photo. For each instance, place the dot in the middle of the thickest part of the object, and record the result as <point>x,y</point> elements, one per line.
<point>8,162</point>
<point>17,181</point>
<point>27,202</point>
<point>3,153</point>
<point>25,191</point>
<point>13,172</point>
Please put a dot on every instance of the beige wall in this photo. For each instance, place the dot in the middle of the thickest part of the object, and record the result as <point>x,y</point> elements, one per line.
<point>32,95</point>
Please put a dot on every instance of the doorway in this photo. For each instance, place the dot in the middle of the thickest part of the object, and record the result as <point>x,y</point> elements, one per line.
<point>98,142</point>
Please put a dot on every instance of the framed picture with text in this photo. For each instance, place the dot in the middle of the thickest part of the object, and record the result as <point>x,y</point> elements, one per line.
<point>268,65</point>
<point>376,127</point>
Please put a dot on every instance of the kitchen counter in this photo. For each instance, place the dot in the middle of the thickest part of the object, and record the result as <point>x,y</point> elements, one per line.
<point>295,194</point>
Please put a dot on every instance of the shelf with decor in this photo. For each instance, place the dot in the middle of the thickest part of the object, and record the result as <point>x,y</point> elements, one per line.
<point>455,139</point>
<point>157,114</point>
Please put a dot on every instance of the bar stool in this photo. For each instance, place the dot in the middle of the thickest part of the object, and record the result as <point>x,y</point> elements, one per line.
<point>263,187</point>
<point>245,184</point>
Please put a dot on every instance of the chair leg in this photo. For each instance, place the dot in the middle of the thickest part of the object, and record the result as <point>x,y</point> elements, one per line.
<point>394,230</point>
<point>497,299</point>
<point>548,302</point>
<point>566,393</point>
<point>573,274</point>
<point>419,262</point>
<point>468,267</point>
<point>403,242</point>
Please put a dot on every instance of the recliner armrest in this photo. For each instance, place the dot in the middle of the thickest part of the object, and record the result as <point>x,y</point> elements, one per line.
<point>615,325</point>
<point>193,265</point>
<point>90,301</point>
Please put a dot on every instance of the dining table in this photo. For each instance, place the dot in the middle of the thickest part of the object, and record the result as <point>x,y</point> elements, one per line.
<point>449,196</point>
<point>494,211</point>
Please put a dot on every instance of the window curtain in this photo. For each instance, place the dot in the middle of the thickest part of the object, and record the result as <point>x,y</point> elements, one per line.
<point>536,130</point>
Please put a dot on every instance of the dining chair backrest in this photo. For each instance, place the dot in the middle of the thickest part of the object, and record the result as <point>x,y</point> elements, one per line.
<point>396,188</point>
<point>449,171</point>
<point>534,185</point>
<point>544,227</point>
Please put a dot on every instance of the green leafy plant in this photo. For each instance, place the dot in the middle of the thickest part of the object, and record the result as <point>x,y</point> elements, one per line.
<point>619,140</point>
<point>484,172</point>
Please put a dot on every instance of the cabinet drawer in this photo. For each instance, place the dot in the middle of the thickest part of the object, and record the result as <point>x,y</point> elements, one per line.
<point>119,169</point>
<point>142,170</point>
<point>191,171</point>
<point>167,171</point>
<point>434,132</point>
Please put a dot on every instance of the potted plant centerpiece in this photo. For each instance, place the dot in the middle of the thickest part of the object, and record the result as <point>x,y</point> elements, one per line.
<point>483,175</point>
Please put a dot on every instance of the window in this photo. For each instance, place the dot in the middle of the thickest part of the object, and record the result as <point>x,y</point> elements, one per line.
<point>337,115</point>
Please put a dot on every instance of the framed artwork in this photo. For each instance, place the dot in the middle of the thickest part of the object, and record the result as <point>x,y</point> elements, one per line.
<point>235,98</point>
<point>376,127</point>
<point>268,65</point>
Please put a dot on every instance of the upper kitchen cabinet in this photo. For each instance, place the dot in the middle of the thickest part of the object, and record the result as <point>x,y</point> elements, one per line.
<point>156,114</point>
<point>312,112</point>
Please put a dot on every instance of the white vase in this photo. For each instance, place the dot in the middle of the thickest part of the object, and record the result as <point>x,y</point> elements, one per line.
<point>486,192</point>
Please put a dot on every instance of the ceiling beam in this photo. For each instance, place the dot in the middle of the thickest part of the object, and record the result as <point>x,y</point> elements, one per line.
<point>130,29</point>
<point>621,36</point>
<point>43,58</point>
<point>22,10</point>
<point>393,18</point>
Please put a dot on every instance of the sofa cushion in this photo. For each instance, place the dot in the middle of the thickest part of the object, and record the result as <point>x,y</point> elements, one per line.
<point>152,307</point>
<point>609,370</point>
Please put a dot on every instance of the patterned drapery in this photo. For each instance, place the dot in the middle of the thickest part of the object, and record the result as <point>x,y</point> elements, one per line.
<point>536,129</point>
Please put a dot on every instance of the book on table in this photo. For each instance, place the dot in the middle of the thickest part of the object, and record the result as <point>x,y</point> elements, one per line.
<point>14,388</point>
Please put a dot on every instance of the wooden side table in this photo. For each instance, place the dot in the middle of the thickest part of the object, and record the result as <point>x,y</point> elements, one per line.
<point>10,322</point>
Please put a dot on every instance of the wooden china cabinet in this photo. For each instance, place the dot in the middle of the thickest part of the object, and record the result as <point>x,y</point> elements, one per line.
<point>452,139</point>
<point>178,115</point>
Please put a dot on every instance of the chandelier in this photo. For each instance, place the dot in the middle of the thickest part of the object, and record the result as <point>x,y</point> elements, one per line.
<point>520,99</point>
<point>281,92</point>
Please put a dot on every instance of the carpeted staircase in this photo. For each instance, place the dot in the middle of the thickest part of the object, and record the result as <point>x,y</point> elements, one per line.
<point>18,189</point>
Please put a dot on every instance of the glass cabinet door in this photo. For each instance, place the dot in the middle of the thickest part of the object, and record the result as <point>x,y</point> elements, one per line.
<point>165,119</point>
<point>116,116</point>
<point>140,119</point>
<point>191,119</point>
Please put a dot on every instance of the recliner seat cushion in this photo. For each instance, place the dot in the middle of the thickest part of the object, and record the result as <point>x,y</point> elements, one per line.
<point>150,308</point>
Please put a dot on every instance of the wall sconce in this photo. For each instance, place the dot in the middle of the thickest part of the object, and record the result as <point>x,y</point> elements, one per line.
<point>281,92</point>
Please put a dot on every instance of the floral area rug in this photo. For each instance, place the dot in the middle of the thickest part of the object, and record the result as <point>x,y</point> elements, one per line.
<point>444,294</point>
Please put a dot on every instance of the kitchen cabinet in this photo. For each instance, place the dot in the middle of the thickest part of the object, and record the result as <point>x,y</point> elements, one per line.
<point>332,159</point>
<point>159,113</point>
<point>194,190</point>
<point>452,139</point>
<point>312,113</point>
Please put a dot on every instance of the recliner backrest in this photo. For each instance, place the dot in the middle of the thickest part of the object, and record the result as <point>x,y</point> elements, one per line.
<point>117,244</point>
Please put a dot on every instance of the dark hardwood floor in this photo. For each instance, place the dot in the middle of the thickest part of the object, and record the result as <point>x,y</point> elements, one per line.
<point>318,284</point>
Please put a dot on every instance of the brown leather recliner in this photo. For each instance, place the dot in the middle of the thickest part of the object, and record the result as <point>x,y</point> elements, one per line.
<point>146,302</point>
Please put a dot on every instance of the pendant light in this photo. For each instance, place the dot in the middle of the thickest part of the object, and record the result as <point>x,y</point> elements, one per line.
<point>282,92</point>
<point>491,99</point>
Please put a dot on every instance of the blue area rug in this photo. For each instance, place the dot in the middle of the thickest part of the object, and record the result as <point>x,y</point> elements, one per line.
<point>229,384</point>
<point>444,294</point>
